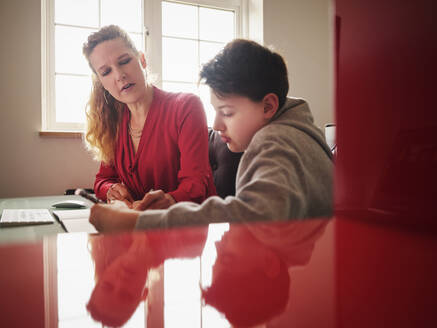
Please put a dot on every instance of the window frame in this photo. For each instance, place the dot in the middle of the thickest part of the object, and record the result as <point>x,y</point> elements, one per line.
<point>152,40</point>
<point>154,26</point>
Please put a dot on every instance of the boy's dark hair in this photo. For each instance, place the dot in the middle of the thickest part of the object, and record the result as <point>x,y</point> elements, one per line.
<point>247,69</point>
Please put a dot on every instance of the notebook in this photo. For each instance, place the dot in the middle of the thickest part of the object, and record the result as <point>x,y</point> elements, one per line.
<point>76,220</point>
<point>17,217</point>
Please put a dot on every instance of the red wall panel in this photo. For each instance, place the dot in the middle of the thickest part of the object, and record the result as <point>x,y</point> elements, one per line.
<point>386,109</point>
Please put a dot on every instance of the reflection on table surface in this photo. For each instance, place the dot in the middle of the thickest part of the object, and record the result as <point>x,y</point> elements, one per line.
<point>313,273</point>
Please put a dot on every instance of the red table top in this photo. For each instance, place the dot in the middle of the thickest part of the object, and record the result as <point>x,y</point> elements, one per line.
<point>336,272</point>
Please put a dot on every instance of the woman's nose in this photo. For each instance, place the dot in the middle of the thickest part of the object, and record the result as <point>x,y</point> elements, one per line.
<point>120,74</point>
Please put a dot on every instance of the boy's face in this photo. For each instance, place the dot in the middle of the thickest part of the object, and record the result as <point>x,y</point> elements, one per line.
<point>237,119</point>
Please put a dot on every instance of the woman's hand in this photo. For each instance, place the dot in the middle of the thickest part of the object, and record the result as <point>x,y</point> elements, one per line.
<point>119,191</point>
<point>154,200</point>
<point>115,217</point>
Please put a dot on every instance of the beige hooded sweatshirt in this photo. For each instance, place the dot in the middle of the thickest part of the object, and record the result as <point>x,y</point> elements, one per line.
<point>285,173</point>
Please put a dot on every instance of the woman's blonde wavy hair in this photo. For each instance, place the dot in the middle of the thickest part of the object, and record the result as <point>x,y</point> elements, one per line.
<point>103,112</point>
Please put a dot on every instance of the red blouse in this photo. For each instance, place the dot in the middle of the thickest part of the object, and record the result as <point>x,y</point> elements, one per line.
<point>172,154</point>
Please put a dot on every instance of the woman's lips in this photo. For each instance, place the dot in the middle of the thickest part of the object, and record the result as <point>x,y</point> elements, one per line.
<point>127,87</point>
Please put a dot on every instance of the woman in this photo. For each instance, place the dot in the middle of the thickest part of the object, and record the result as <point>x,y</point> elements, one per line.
<point>146,138</point>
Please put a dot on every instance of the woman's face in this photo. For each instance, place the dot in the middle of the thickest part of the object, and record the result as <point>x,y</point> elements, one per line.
<point>120,289</point>
<point>119,70</point>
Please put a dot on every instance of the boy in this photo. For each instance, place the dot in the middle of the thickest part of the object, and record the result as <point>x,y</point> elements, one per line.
<point>286,170</point>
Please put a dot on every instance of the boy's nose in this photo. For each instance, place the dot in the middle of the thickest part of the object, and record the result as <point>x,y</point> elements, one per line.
<point>217,125</point>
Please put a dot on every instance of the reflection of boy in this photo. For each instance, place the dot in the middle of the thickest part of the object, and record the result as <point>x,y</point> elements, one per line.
<point>286,169</point>
<point>250,279</point>
<point>250,283</point>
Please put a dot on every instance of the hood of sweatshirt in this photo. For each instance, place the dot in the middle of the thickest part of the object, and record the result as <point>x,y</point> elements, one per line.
<point>296,113</point>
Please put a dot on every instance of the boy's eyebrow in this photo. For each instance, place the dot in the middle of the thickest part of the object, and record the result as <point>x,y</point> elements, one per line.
<point>224,106</point>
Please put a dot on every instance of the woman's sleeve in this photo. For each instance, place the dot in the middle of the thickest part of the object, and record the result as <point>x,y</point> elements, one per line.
<point>105,178</point>
<point>194,176</point>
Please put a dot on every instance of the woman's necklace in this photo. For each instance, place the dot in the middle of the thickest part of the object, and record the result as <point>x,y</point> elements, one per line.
<point>135,133</point>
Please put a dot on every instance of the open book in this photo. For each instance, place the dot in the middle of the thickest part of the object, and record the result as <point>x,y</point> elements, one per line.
<point>76,220</point>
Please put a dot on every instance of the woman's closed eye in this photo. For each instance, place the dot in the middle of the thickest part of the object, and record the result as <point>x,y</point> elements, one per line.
<point>124,61</point>
<point>105,72</point>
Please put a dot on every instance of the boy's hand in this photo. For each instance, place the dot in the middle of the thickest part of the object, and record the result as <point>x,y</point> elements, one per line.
<point>114,217</point>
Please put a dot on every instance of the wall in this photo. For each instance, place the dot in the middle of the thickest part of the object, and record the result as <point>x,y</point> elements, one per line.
<point>302,31</point>
<point>32,165</point>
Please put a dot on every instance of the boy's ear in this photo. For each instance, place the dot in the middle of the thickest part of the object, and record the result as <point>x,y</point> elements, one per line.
<point>271,103</point>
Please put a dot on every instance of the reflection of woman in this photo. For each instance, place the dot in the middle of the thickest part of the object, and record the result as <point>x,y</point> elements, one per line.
<point>250,282</point>
<point>122,263</point>
<point>146,138</point>
<point>121,266</point>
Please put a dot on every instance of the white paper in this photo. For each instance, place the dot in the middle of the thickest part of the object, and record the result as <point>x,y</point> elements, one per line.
<point>76,220</point>
<point>26,216</point>
<point>79,225</point>
<point>73,214</point>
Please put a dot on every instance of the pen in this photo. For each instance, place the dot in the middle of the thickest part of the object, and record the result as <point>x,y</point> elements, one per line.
<point>84,194</point>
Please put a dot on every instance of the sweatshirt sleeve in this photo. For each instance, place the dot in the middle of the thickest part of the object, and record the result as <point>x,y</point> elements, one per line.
<point>106,176</point>
<point>195,174</point>
<point>270,186</point>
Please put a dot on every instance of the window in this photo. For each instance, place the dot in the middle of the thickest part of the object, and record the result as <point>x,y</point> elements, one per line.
<point>177,38</point>
<point>191,35</point>
<point>66,75</point>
